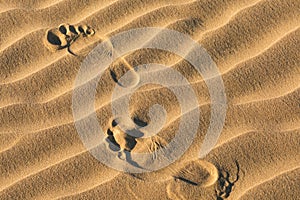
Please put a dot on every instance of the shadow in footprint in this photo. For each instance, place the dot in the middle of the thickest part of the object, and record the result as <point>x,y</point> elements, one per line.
<point>80,29</point>
<point>63,29</point>
<point>124,75</point>
<point>119,139</point>
<point>73,29</point>
<point>53,38</point>
<point>113,76</point>
<point>186,180</point>
<point>198,173</point>
<point>225,186</point>
<point>139,122</point>
<point>113,145</point>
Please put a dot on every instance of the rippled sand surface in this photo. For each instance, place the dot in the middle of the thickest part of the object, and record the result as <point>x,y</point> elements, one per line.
<point>254,44</point>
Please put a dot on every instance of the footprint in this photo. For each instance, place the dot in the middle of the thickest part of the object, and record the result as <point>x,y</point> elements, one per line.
<point>125,76</point>
<point>123,73</point>
<point>224,185</point>
<point>121,140</point>
<point>198,173</point>
<point>64,35</point>
<point>55,40</point>
<point>130,79</point>
<point>113,145</point>
<point>194,176</point>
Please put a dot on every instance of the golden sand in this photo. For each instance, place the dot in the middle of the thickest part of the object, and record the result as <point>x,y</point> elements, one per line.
<point>255,45</point>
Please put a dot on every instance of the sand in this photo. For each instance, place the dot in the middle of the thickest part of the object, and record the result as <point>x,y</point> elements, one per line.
<point>255,46</point>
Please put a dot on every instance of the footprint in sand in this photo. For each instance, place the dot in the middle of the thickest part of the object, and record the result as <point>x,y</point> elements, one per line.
<point>224,185</point>
<point>65,35</point>
<point>198,173</point>
<point>128,137</point>
<point>128,79</point>
<point>118,139</point>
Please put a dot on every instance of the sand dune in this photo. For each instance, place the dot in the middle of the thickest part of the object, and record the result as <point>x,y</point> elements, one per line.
<point>254,44</point>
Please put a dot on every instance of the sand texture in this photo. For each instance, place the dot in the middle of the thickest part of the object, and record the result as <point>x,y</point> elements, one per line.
<point>255,46</point>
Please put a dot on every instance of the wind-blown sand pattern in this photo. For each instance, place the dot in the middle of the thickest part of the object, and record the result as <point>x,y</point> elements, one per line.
<point>254,43</point>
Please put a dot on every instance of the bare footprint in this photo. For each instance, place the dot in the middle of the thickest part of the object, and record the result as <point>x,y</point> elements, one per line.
<point>127,79</point>
<point>224,185</point>
<point>55,40</point>
<point>120,139</point>
<point>199,173</point>
<point>124,74</point>
<point>64,35</point>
